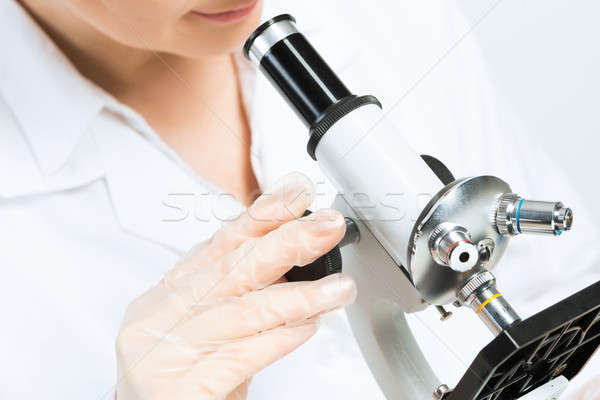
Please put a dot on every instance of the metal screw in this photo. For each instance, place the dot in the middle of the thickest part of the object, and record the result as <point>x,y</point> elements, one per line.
<point>485,248</point>
<point>441,392</point>
<point>445,315</point>
<point>559,370</point>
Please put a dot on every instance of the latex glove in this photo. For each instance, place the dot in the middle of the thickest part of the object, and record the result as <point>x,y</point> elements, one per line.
<point>216,319</point>
<point>591,391</point>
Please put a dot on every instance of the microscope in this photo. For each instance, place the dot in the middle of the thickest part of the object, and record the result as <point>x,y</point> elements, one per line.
<point>438,246</point>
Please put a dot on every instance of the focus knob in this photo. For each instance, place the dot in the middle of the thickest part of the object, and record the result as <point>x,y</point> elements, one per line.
<point>327,264</point>
<point>330,263</point>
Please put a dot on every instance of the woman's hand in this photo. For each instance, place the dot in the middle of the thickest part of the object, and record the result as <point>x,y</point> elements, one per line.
<point>217,318</point>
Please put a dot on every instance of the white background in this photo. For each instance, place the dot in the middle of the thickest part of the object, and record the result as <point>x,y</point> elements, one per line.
<point>544,58</point>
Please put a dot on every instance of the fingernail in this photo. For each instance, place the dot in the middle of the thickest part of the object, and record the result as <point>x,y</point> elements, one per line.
<point>340,288</point>
<point>324,221</point>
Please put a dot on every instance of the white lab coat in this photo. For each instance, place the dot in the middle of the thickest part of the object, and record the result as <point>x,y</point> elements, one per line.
<point>95,208</point>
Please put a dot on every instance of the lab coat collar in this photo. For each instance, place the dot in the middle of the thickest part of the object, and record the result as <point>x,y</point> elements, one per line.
<point>43,89</point>
<point>155,196</point>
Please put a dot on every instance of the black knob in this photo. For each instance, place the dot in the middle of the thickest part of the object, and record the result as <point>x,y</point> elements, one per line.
<point>327,264</point>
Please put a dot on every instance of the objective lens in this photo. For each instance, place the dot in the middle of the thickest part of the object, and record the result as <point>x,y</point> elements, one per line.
<point>517,215</point>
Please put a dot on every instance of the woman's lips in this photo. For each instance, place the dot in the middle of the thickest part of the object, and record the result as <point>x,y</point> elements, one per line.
<point>233,15</point>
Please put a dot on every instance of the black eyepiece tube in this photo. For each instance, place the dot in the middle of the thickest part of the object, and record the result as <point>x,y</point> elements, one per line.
<point>304,79</point>
<point>295,68</point>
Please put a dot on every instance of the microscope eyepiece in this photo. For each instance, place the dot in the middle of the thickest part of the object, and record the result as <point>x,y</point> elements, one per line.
<point>301,75</point>
<point>277,31</point>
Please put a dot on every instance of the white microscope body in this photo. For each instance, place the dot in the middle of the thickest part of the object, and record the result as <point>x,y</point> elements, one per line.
<point>416,236</point>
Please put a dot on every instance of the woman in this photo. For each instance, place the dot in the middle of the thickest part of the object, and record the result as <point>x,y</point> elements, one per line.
<point>131,131</point>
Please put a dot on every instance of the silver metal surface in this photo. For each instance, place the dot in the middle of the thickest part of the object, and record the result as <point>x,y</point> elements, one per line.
<point>506,214</point>
<point>544,217</point>
<point>470,203</point>
<point>451,245</point>
<point>517,215</point>
<point>272,35</point>
<point>493,309</point>
<point>441,392</point>
<point>476,282</point>
<point>481,295</point>
<point>486,249</point>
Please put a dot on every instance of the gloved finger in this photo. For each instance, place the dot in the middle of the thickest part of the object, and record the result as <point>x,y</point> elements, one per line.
<point>236,361</point>
<point>285,201</point>
<point>259,262</point>
<point>262,310</point>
